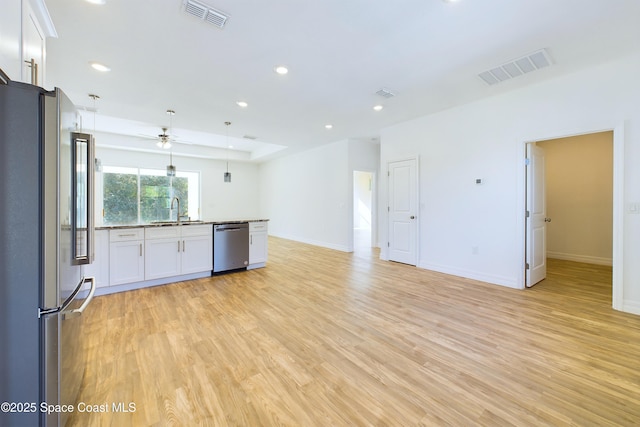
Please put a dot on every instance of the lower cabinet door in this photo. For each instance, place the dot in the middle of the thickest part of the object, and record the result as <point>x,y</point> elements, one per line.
<point>126,262</point>
<point>162,258</point>
<point>197,254</point>
<point>258,247</point>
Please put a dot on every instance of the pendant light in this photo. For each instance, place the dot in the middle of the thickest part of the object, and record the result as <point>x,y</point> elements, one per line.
<point>227,174</point>
<point>171,169</point>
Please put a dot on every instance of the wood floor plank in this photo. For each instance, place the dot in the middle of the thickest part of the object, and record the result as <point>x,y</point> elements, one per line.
<point>326,338</point>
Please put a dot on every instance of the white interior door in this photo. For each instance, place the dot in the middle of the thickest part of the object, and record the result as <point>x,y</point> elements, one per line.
<point>403,201</point>
<point>536,248</point>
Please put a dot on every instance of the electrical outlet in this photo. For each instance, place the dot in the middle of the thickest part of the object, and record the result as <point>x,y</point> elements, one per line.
<point>475,250</point>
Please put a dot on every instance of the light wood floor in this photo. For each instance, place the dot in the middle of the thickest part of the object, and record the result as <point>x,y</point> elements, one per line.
<point>321,338</point>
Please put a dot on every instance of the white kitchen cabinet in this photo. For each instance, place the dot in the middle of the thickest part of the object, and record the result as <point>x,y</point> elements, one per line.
<point>175,250</point>
<point>24,28</point>
<point>162,252</point>
<point>258,244</point>
<point>99,268</point>
<point>126,256</point>
<point>33,47</point>
<point>197,248</point>
<point>162,258</point>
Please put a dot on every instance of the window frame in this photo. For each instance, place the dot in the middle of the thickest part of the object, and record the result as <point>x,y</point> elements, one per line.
<point>194,186</point>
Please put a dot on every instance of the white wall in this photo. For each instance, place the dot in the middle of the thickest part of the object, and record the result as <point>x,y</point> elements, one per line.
<point>307,196</point>
<point>11,38</point>
<point>219,200</point>
<point>485,139</point>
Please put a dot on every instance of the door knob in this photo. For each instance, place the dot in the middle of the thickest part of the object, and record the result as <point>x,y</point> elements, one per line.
<point>412,217</point>
<point>547,220</point>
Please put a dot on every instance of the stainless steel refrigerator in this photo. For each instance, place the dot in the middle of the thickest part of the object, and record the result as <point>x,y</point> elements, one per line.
<point>46,236</point>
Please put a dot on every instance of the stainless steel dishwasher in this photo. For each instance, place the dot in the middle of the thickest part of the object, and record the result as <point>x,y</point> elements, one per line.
<point>230,246</point>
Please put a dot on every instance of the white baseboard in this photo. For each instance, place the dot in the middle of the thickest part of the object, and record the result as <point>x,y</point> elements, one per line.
<point>342,248</point>
<point>474,275</point>
<point>580,258</point>
<point>632,307</point>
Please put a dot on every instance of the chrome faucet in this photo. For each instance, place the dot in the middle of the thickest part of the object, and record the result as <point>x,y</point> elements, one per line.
<point>178,213</point>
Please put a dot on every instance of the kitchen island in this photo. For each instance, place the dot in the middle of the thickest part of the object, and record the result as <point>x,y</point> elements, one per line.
<point>133,256</point>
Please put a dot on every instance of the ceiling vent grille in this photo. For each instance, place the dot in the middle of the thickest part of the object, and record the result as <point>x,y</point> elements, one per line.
<point>250,137</point>
<point>517,67</point>
<point>205,13</point>
<point>385,93</point>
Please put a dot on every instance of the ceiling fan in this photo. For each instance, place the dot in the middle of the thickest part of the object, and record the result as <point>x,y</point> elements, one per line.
<point>164,139</point>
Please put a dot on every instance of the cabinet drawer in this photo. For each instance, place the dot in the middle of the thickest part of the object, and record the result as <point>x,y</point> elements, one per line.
<point>197,230</point>
<point>162,232</point>
<point>126,234</point>
<point>258,226</point>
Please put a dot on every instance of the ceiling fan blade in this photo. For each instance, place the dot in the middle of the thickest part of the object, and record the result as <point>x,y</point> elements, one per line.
<point>143,136</point>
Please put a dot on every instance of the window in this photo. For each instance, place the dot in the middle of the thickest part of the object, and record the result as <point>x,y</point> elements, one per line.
<point>138,196</point>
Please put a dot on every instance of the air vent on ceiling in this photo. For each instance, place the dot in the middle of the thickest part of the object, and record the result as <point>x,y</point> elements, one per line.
<point>517,67</point>
<point>385,93</point>
<point>250,137</point>
<point>206,13</point>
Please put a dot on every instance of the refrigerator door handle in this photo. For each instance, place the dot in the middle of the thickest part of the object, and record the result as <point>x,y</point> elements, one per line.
<point>78,311</point>
<point>65,304</point>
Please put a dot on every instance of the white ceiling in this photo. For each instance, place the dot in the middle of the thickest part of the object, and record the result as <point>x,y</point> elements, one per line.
<point>339,53</point>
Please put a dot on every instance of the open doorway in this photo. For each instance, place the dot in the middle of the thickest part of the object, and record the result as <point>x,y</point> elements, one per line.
<point>363,221</point>
<point>577,184</point>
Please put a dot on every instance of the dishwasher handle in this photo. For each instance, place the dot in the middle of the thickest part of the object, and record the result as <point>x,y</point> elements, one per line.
<point>231,227</point>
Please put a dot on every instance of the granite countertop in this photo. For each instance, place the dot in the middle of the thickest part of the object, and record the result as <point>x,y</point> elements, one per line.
<point>174,223</point>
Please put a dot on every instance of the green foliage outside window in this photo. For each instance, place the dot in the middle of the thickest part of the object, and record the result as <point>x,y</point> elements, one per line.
<point>120,198</point>
<point>156,193</point>
<point>132,198</point>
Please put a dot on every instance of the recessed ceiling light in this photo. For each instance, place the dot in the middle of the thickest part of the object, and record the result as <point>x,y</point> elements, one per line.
<point>97,1</point>
<point>242,104</point>
<point>328,126</point>
<point>100,67</point>
<point>281,69</point>
<point>378,107</point>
